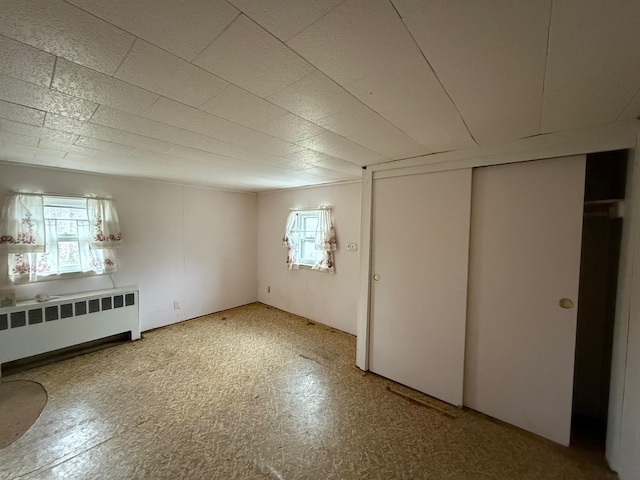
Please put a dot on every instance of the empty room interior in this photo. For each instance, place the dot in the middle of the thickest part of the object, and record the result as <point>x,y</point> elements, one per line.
<point>319,239</point>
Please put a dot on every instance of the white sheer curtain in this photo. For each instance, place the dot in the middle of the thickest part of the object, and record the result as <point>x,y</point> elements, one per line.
<point>22,227</point>
<point>290,240</point>
<point>105,227</point>
<point>325,242</point>
<point>33,240</point>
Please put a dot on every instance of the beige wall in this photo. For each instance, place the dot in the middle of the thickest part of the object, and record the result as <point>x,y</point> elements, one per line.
<point>193,245</point>
<point>330,299</point>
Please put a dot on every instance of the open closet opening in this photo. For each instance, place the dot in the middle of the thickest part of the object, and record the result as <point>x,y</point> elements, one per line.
<point>601,237</point>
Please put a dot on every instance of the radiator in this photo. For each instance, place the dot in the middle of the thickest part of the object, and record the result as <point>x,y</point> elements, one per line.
<point>31,328</point>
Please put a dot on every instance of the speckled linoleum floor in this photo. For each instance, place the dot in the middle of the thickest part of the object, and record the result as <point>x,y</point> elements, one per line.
<point>256,393</point>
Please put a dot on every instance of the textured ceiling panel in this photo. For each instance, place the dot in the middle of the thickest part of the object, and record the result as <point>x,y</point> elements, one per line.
<point>59,28</point>
<point>161,72</point>
<point>340,147</point>
<point>19,113</point>
<point>355,39</point>
<point>254,95</point>
<point>285,18</point>
<point>97,87</point>
<point>593,70</point>
<point>314,97</point>
<point>182,28</point>
<point>192,119</point>
<point>39,132</point>
<point>26,63</point>
<point>242,107</point>
<point>491,58</point>
<point>41,98</point>
<point>410,96</point>
<point>248,56</point>
<point>290,128</point>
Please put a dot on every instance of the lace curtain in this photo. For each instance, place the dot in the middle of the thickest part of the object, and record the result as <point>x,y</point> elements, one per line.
<point>22,224</point>
<point>32,240</point>
<point>325,241</point>
<point>105,227</point>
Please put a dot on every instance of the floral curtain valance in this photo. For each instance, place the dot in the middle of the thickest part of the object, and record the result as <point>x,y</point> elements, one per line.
<point>22,228</point>
<point>105,227</point>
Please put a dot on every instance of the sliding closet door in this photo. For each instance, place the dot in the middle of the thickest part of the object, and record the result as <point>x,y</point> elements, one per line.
<point>526,226</point>
<point>420,245</point>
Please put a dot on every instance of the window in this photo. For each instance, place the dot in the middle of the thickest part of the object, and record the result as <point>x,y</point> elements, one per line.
<point>49,237</point>
<point>307,224</point>
<point>310,239</point>
<point>68,218</point>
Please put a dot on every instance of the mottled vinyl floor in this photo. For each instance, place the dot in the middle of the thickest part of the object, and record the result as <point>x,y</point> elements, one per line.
<point>256,393</point>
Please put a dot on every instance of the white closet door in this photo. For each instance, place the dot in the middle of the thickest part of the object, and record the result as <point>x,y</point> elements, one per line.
<point>526,231</point>
<point>420,248</point>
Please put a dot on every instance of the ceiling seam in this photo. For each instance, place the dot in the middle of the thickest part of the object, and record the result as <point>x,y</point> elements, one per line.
<point>435,74</point>
<point>217,36</point>
<point>628,104</point>
<point>546,64</point>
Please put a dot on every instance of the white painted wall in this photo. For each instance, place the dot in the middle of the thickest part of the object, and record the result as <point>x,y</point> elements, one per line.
<point>331,299</point>
<point>623,451</point>
<point>187,244</point>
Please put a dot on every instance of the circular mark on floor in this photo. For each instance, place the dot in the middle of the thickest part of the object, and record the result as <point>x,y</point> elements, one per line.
<point>21,402</point>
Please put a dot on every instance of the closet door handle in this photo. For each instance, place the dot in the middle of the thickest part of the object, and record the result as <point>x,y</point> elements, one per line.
<point>566,303</point>
<point>376,277</point>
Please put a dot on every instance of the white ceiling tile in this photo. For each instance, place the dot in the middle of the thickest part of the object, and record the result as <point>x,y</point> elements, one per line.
<point>290,128</point>
<point>248,56</point>
<point>389,141</point>
<point>367,128</point>
<point>150,128</point>
<point>491,58</point>
<point>19,139</point>
<point>406,7</point>
<point>432,125</point>
<point>64,30</point>
<point>309,156</point>
<point>31,154</point>
<point>632,110</point>
<point>86,129</point>
<point>19,113</point>
<point>144,143</point>
<point>188,118</point>
<point>314,97</point>
<point>200,155</point>
<point>594,62</point>
<point>166,74</point>
<point>410,96</point>
<point>82,82</point>
<point>66,147</point>
<point>182,28</point>
<point>340,147</point>
<point>355,39</point>
<point>341,166</point>
<point>34,96</point>
<point>285,18</point>
<point>39,132</point>
<point>103,146</point>
<point>26,63</point>
<point>242,107</point>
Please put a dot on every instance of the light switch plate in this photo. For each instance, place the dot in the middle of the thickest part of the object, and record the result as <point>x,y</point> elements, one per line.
<point>352,246</point>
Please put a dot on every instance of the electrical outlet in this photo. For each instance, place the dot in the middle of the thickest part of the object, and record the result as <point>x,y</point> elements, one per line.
<point>352,246</point>
<point>176,305</point>
<point>268,289</point>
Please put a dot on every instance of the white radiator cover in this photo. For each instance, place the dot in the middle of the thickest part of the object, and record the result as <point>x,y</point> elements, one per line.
<point>30,328</point>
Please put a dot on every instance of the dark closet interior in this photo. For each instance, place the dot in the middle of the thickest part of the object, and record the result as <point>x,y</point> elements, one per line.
<point>601,235</point>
